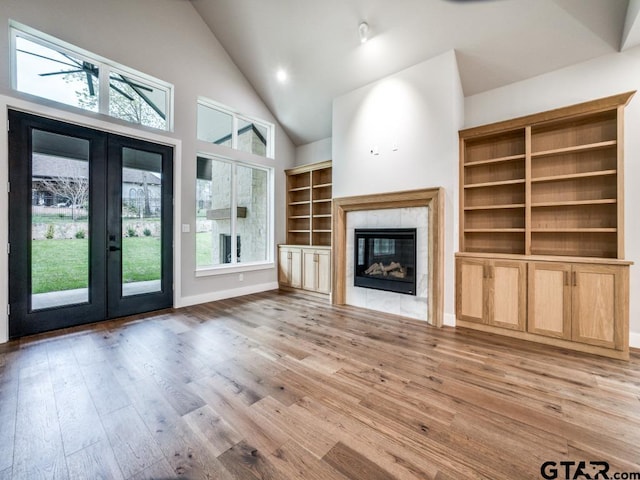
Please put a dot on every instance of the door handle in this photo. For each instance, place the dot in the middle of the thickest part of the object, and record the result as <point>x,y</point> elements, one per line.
<point>113,248</point>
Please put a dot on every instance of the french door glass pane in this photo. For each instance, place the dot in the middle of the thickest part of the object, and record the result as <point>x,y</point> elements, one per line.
<point>252,222</point>
<point>59,220</point>
<point>141,222</point>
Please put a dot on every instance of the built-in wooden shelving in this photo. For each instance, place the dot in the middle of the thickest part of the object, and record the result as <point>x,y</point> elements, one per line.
<point>309,193</point>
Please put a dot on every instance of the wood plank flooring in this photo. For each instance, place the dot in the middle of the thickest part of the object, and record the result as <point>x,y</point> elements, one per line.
<point>284,386</point>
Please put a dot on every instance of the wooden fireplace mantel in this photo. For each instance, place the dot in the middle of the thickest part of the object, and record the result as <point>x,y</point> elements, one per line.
<point>433,198</point>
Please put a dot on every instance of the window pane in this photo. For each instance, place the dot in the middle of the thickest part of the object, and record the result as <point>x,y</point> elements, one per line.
<point>136,101</point>
<point>214,126</point>
<point>252,195</point>
<point>252,137</point>
<point>213,209</point>
<point>58,76</point>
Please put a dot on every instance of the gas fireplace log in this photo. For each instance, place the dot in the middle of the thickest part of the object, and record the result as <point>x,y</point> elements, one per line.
<point>392,266</point>
<point>394,269</point>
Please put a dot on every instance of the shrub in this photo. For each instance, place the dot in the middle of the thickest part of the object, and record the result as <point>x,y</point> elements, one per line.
<point>80,234</point>
<point>147,232</point>
<point>50,232</point>
<point>131,232</point>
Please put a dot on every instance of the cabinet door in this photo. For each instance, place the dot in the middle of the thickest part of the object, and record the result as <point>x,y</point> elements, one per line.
<point>597,305</point>
<point>549,311</point>
<point>290,267</point>
<point>470,293</point>
<point>507,294</point>
<point>324,271</point>
<point>309,270</point>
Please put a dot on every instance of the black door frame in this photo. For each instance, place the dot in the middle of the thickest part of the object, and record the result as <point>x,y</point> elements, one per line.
<point>105,301</point>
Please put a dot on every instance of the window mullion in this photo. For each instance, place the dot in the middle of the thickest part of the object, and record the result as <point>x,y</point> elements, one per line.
<point>234,213</point>
<point>234,133</point>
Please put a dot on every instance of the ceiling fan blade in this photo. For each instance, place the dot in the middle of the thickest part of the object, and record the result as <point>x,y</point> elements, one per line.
<point>92,91</point>
<point>131,84</point>
<point>121,92</point>
<point>49,58</point>
<point>59,73</point>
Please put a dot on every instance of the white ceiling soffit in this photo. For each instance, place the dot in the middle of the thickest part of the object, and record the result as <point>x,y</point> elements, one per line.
<point>497,42</point>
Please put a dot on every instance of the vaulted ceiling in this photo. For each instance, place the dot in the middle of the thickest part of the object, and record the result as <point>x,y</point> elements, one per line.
<point>497,42</point>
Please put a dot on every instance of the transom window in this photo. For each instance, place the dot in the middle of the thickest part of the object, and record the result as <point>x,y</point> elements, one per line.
<point>223,126</point>
<point>55,70</point>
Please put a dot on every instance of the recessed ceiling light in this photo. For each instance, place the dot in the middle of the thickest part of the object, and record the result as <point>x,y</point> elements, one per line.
<point>281,75</point>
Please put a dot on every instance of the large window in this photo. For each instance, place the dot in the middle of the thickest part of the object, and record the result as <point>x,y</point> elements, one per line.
<point>222,126</point>
<point>233,213</point>
<point>52,69</point>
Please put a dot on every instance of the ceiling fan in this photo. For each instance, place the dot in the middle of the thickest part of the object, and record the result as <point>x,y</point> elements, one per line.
<point>91,71</point>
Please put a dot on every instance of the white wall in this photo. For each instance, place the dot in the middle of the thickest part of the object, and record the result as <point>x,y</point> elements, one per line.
<point>168,40</point>
<point>412,120</point>
<point>314,152</point>
<point>604,76</point>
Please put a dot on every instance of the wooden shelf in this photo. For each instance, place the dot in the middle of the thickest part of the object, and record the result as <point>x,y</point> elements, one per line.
<point>575,149</point>
<point>491,161</point>
<point>549,182</point>
<point>570,203</point>
<point>573,176</point>
<point>495,207</point>
<point>574,230</point>
<point>309,194</point>
<point>495,184</point>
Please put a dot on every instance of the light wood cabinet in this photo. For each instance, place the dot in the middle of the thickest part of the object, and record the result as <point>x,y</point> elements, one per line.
<point>581,302</point>
<point>492,292</point>
<point>546,191</point>
<point>317,270</point>
<point>309,193</point>
<point>308,268</point>
<point>549,299</point>
<point>290,266</point>
<point>599,304</point>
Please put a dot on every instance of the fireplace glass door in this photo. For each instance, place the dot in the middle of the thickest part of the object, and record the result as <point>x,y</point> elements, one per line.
<point>385,259</point>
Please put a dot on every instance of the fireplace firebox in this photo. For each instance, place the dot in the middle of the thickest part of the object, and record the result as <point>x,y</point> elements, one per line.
<point>385,259</point>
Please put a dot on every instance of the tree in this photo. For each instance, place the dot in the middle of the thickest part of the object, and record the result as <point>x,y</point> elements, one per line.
<point>70,182</point>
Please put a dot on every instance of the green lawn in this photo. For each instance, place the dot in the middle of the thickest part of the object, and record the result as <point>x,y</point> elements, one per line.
<point>203,249</point>
<point>62,264</point>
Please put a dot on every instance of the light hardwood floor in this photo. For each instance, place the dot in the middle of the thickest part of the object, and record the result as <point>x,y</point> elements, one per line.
<point>284,386</point>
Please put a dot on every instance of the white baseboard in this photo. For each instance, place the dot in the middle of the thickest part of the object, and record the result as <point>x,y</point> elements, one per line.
<point>223,294</point>
<point>449,320</point>
<point>634,340</point>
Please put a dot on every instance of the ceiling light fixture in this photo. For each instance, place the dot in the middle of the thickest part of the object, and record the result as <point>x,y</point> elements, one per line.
<point>363,32</point>
<point>281,75</point>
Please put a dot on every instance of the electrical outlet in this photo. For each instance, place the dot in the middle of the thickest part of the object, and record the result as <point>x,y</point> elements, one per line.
<point>240,277</point>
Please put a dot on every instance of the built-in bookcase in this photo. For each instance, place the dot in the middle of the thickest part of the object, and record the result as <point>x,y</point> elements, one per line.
<point>309,193</point>
<point>547,184</point>
<point>541,229</point>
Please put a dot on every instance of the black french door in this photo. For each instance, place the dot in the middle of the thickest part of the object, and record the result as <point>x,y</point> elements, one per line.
<point>90,225</point>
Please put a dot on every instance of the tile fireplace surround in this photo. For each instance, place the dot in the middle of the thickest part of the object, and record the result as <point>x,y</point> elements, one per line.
<point>420,209</point>
<point>413,306</point>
